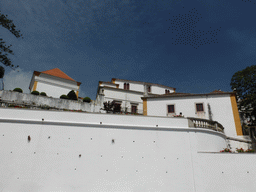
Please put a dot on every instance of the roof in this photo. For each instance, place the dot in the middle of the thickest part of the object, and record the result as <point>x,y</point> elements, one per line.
<point>188,94</point>
<point>141,82</point>
<point>105,82</point>
<point>57,73</point>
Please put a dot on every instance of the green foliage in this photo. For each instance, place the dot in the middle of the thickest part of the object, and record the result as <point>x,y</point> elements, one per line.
<point>243,82</point>
<point>72,95</point>
<point>18,90</point>
<point>64,97</point>
<point>43,94</point>
<point>4,49</point>
<point>87,99</point>
<point>35,93</point>
<point>2,70</point>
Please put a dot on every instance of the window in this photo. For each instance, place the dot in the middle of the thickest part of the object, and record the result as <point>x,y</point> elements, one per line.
<point>117,107</point>
<point>149,88</point>
<point>126,86</point>
<point>134,109</point>
<point>171,109</point>
<point>199,107</point>
<point>167,91</point>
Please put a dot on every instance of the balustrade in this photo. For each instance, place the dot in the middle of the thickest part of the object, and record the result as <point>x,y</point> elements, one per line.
<point>205,123</point>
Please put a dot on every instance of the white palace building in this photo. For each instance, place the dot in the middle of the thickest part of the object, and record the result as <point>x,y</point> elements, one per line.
<point>172,144</point>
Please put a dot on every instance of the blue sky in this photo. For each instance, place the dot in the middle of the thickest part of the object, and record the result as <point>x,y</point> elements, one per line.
<point>96,40</point>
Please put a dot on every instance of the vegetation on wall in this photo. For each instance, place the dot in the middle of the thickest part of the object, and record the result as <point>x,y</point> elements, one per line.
<point>111,106</point>
<point>64,97</point>
<point>87,99</point>
<point>43,94</point>
<point>72,95</point>
<point>18,90</point>
<point>35,93</point>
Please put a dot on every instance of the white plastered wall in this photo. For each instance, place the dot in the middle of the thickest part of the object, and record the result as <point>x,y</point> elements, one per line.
<point>52,90</point>
<point>159,90</point>
<point>220,107</point>
<point>132,86</point>
<point>54,86</point>
<point>126,97</point>
<point>137,157</point>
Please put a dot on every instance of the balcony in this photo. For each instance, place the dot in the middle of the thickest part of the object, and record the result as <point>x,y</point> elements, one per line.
<point>205,123</point>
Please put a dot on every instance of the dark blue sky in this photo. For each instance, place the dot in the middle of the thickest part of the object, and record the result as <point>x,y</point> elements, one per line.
<point>159,41</point>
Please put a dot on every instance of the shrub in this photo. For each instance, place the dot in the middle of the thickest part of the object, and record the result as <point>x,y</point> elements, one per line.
<point>18,90</point>
<point>87,99</point>
<point>35,93</point>
<point>72,95</point>
<point>64,97</point>
<point>43,94</point>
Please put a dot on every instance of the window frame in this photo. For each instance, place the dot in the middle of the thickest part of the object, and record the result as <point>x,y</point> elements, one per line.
<point>167,108</point>
<point>196,104</point>
<point>136,107</point>
<point>126,86</point>
<point>149,88</point>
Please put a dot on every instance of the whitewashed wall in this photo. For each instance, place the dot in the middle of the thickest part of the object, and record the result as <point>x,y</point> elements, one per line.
<point>52,90</point>
<point>133,86</point>
<point>126,97</point>
<point>52,102</point>
<point>159,90</point>
<point>122,153</point>
<point>140,87</point>
<point>220,106</point>
<point>107,84</point>
<point>55,86</point>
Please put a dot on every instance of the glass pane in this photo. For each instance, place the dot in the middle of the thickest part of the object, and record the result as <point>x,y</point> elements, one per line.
<point>199,107</point>
<point>170,108</point>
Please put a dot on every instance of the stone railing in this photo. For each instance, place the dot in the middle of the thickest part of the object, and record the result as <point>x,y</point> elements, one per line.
<point>205,123</point>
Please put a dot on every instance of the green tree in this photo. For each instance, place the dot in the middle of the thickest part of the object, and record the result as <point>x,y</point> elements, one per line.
<point>244,83</point>
<point>2,76</point>
<point>72,95</point>
<point>4,49</point>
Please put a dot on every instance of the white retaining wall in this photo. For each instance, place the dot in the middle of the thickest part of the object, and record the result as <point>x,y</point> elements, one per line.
<point>118,153</point>
<point>52,102</point>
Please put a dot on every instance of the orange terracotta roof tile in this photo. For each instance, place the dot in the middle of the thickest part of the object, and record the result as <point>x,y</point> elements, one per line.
<point>57,73</point>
